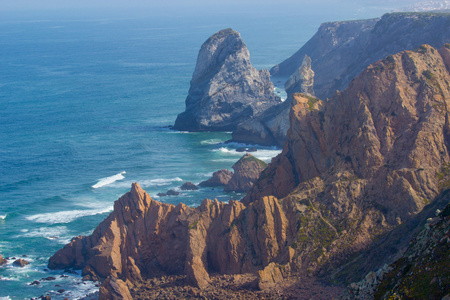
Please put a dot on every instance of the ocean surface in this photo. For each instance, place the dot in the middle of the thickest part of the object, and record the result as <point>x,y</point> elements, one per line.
<point>85,101</point>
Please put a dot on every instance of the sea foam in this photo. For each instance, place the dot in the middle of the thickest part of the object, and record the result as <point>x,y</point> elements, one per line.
<point>2,217</point>
<point>108,180</point>
<point>66,216</point>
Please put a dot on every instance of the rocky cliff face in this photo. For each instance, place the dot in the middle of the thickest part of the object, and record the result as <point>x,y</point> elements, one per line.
<point>270,128</point>
<point>366,160</point>
<point>353,168</point>
<point>225,88</point>
<point>143,237</point>
<point>350,46</point>
<point>423,271</point>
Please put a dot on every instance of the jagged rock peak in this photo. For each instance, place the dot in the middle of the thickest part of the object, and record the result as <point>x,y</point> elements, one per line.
<point>225,88</point>
<point>217,49</point>
<point>302,81</point>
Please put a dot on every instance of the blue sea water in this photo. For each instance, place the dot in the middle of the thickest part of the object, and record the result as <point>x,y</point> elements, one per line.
<point>85,101</point>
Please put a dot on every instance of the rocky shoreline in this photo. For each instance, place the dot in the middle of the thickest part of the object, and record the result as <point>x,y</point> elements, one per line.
<point>355,170</point>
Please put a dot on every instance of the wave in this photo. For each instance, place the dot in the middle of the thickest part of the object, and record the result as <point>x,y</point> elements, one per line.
<point>108,180</point>
<point>66,216</point>
<point>58,233</point>
<point>262,154</point>
<point>2,217</point>
<point>211,142</point>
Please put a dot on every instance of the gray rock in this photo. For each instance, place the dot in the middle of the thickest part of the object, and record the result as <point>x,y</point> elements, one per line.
<point>302,81</point>
<point>225,88</point>
<point>270,128</point>
<point>341,50</point>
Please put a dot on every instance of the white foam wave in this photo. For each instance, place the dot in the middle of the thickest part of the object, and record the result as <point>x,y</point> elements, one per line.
<point>108,180</point>
<point>147,183</point>
<point>266,155</point>
<point>66,216</point>
<point>211,142</point>
<point>227,151</point>
<point>2,217</point>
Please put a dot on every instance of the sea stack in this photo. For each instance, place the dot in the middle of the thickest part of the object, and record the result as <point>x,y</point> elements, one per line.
<point>225,88</point>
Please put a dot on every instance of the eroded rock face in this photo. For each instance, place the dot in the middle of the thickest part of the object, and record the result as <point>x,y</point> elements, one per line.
<point>366,160</point>
<point>143,237</point>
<point>246,171</point>
<point>302,81</point>
<point>219,178</point>
<point>350,46</point>
<point>225,88</point>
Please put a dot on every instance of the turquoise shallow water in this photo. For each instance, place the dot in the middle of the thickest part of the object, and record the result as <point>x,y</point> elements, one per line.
<point>84,104</point>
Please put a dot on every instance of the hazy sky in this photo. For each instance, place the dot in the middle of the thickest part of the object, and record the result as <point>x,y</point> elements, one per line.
<point>8,5</point>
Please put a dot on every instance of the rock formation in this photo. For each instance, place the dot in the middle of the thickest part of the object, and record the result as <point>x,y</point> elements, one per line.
<point>246,171</point>
<point>219,178</point>
<point>2,260</point>
<point>20,263</point>
<point>188,186</point>
<point>341,50</point>
<point>114,289</point>
<point>353,169</point>
<point>366,160</point>
<point>143,237</point>
<point>423,271</point>
<point>270,128</point>
<point>421,256</point>
<point>225,88</point>
<point>302,80</point>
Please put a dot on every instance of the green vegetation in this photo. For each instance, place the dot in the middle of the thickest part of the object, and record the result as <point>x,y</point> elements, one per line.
<point>422,49</point>
<point>427,277</point>
<point>193,225</point>
<point>443,177</point>
<point>311,102</point>
<point>252,158</point>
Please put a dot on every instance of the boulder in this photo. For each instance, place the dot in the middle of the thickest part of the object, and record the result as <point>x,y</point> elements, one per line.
<point>2,260</point>
<point>188,186</point>
<point>219,178</point>
<point>114,289</point>
<point>20,263</point>
<point>246,171</point>
<point>225,89</point>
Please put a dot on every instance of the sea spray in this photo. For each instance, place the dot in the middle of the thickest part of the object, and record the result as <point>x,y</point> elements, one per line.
<point>108,180</point>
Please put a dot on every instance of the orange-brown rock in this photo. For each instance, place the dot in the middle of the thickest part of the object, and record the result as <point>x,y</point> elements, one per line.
<point>20,263</point>
<point>143,237</point>
<point>2,260</point>
<point>114,289</point>
<point>246,171</point>
<point>267,277</point>
<point>366,160</point>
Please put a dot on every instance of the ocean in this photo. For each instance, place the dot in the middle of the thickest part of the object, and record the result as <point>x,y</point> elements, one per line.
<point>86,99</point>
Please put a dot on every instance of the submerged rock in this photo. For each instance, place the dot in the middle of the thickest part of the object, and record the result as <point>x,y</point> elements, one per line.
<point>225,88</point>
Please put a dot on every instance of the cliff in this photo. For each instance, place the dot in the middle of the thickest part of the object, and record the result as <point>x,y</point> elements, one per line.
<point>353,168</point>
<point>350,46</point>
<point>366,160</point>
<point>225,89</point>
<point>270,127</point>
